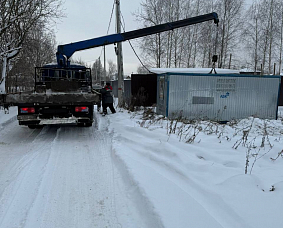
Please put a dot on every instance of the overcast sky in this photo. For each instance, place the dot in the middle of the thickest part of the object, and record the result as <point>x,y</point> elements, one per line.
<point>86,19</point>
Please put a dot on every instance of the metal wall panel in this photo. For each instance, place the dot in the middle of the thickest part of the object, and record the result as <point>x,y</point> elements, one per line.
<point>220,97</point>
<point>127,88</point>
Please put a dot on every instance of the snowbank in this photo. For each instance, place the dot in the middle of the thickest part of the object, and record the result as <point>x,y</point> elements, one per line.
<point>195,175</point>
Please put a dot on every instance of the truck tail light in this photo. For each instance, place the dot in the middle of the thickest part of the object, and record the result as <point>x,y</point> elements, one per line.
<point>27,110</point>
<point>81,109</point>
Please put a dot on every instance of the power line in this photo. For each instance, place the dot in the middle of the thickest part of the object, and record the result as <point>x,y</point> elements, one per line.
<point>111,17</point>
<point>108,24</point>
<point>124,26</point>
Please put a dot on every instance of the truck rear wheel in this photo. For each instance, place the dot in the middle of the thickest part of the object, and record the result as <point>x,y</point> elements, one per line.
<point>88,124</point>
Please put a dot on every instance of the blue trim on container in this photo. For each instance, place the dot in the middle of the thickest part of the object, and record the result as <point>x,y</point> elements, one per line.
<point>278,98</point>
<point>222,75</point>
<point>167,100</point>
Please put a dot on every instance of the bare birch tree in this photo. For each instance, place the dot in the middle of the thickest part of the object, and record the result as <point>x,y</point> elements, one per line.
<point>17,18</point>
<point>152,13</point>
<point>263,34</point>
<point>97,71</point>
<point>37,49</point>
<point>229,12</point>
<point>112,70</point>
<point>251,33</point>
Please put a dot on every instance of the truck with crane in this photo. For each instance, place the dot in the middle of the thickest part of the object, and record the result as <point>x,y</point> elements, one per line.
<point>63,91</point>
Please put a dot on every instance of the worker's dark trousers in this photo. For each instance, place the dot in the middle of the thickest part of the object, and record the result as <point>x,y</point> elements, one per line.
<point>110,105</point>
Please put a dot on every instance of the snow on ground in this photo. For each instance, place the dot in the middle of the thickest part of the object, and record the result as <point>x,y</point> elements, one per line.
<point>202,183</point>
<point>131,171</point>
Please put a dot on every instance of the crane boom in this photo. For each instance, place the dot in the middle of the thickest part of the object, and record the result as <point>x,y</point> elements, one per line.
<point>65,51</point>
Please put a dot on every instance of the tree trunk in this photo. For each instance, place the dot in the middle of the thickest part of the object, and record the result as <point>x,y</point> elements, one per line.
<point>265,49</point>
<point>264,54</point>
<point>159,51</point>
<point>195,37</point>
<point>181,49</point>
<point>271,36</point>
<point>256,43</point>
<point>223,37</point>
<point>4,72</point>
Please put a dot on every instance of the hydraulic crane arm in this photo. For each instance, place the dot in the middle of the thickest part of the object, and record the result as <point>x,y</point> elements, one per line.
<point>64,52</point>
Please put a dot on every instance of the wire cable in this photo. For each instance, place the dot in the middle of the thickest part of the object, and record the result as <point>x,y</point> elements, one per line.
<point>124,28</point>
<point>111,16</point>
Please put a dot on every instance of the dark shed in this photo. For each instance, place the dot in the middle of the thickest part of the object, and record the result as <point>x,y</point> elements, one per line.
<point>280,99</point>
<point>144,89</point>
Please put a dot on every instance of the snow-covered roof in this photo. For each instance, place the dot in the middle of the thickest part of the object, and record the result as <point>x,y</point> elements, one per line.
<point>247,70</point>
<point>192,70</point>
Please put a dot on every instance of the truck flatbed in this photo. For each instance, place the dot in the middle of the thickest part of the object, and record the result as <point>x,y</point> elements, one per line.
<point>50,98</point>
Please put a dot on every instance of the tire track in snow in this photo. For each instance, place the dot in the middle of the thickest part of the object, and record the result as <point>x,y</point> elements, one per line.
<point>38,206</point>
<point>124,184</point>
<point>16,134</point>
<point>28,153</point>
<point>17,196</point>
<point>145,210</point>
<point>66,177</point>
<point>76,189</point>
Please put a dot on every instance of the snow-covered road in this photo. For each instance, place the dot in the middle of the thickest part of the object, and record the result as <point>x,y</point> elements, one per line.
<point>131,173</point>
<point>61,176</point>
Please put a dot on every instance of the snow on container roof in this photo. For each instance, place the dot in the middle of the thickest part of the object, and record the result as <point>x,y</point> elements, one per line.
<point>193,70</point>
<point>247,70</point>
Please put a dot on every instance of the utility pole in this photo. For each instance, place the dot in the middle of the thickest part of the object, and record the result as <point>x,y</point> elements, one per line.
<point>98,73</point>
<point>104,66</point>
<point>119,58</point>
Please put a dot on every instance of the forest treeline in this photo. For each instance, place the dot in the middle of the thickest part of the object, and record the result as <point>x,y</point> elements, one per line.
<point>249,35</point>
